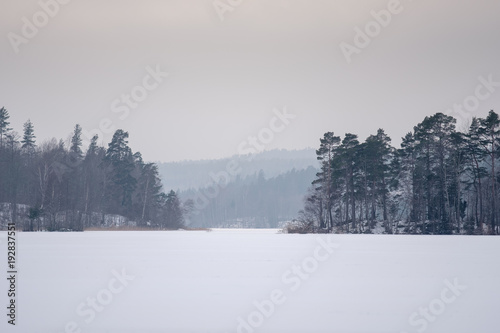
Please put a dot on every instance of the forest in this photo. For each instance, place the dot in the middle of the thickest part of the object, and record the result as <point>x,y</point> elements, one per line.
<point>57,186</point>
<point>440,181</point>
<point>254,201</point>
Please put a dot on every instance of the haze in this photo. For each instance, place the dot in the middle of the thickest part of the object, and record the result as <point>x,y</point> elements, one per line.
<point>226,78</point>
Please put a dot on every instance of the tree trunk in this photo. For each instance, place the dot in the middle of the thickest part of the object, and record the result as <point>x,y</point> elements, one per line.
<point>145,199</point>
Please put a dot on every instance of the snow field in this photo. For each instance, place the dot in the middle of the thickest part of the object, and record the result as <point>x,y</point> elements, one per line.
<point>245,281</point>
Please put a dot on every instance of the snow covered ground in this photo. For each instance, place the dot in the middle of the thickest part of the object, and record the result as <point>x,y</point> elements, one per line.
<point>253,281</point>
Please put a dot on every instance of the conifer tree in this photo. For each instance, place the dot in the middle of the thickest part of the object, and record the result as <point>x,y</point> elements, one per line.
<point>120,161</point>
<point>28,141</point>
<point>324,182</point>
<point>4,124</point>
<point>76,142</point>
<point>490,136</point>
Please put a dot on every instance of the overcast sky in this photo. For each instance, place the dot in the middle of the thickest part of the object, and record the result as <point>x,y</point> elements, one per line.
<point>229,68</point>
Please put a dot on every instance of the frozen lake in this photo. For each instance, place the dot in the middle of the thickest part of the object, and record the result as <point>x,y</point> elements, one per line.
<point>253,281</point>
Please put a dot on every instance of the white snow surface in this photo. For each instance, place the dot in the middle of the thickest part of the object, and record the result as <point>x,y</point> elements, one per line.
<point>198,281</point>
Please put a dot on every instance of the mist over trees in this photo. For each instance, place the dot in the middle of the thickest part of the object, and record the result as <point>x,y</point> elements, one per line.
<point>254,201</point>
<point>185,175</point>
<point>440,181</point>
<point>69,187</point>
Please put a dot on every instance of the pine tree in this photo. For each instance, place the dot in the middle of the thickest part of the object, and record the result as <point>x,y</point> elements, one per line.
<point>324,182</point>
<point>76,142</point>
<point>377,156</point>
<point>476,169</point>
<point>349,155</point>
<point>490,136</point>
<point>28,141</point>
<point>443,131</point>
<point>173,211</point>
<point>457,163</point>
<point>411,179</point>
<point>120,159</point>
<point>92,149</point>
<point>148,190</point>
<point>93,178</point>
<point>4,129</point>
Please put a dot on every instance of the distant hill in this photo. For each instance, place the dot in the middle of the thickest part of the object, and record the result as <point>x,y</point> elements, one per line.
<point>251,202</point>
<point>196,174</point>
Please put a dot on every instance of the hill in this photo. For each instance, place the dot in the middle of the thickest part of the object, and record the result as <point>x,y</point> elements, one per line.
<point>196,174</point>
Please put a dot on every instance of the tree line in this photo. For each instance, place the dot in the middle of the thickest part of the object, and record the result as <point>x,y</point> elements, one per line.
<point>254,201</point>
<point>69,188</point>
<point>440,181</point>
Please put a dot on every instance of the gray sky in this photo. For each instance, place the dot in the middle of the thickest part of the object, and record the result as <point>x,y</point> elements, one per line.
<point>225,77</point>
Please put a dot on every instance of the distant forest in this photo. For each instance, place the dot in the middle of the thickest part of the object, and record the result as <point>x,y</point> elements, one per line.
<point>254,201</point>
<point>54,186</point>
<point>440,181</point>
<point>185,175</point>
<point>265,190</point>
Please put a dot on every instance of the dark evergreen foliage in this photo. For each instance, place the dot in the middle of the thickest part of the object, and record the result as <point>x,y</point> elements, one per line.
<point>66,188</point>
<point>439,182</point>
